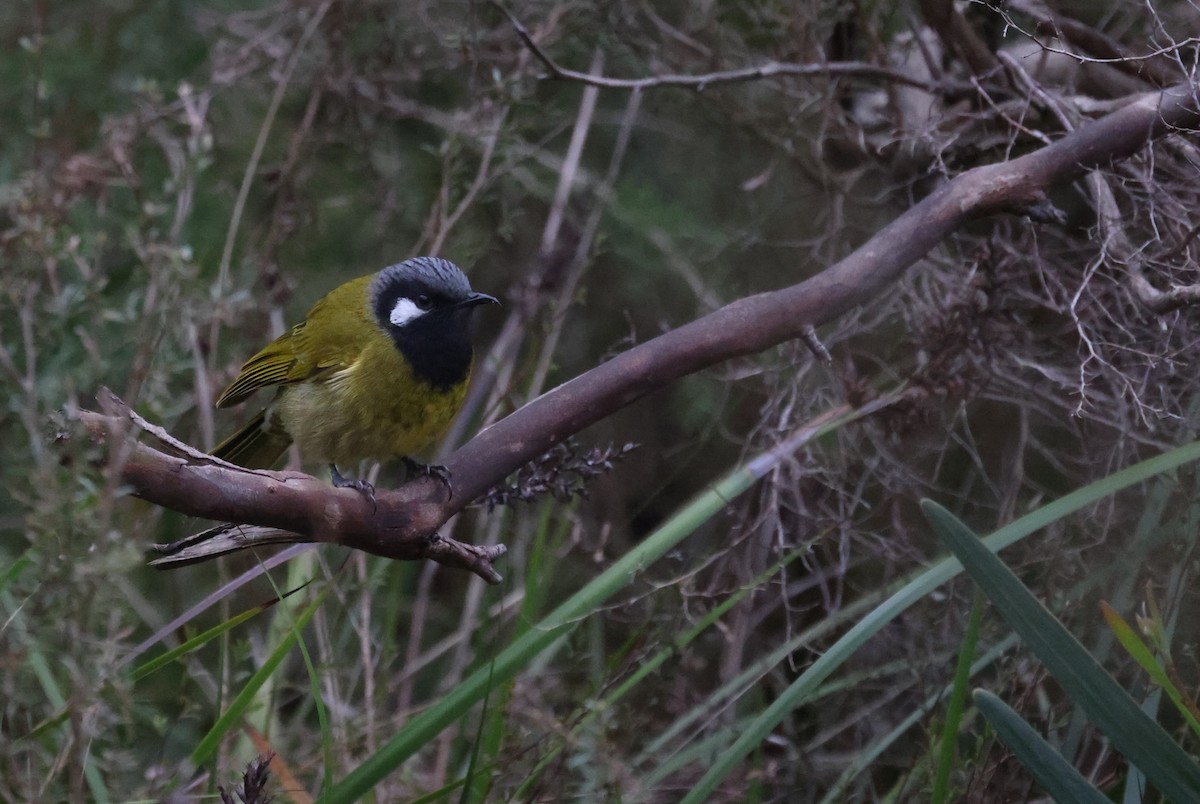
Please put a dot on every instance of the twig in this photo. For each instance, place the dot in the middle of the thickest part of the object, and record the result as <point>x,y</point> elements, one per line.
<point>571,160</point>
<point>813,342</point>
<point>843,69</point>
<point>115,406</point>
<point>224,539</point>
<point>287,507</point>
<point>587,239</point>
<point>261,143</point>
<point>758,322</point>
<point>1151,66</point>
<point>1115,245</point>
<point>482,177</point>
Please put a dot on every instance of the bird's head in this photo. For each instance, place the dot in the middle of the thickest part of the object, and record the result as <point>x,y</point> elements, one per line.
<point>425,304</point>
<point>421,293</point>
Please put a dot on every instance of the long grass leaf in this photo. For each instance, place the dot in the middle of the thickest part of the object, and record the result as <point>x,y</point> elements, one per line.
<point>201,639</point>
<point>954,707</point>
<point>651,664</point>
<point>15,571</point>
<point>808,681</point>
<point>207,746</point>
<point>865,756</point>
<point>425,726</point>
<point>1131,731</point>
<point>1046,765</point>
<point>1141,653</point>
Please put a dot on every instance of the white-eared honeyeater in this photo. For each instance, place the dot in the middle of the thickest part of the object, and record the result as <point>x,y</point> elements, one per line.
<point>378,369</point>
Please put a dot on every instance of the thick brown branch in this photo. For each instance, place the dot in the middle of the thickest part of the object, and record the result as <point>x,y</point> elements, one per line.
<point>403,521</point>
<point>282,507</point>
<point>958,35</point>
<point>758,322</point>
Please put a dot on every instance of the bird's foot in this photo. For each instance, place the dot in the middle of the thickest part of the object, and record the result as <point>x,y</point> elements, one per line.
<point>361,486</point>
<point>415,468</point>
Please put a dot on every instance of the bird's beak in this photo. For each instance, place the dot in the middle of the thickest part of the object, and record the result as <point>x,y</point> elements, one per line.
<point>479,298</point>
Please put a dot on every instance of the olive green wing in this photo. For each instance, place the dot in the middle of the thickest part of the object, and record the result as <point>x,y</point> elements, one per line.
<point>329,339</point>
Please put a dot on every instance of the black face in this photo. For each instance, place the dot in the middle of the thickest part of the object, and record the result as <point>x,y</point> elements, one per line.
<point>425,305</point>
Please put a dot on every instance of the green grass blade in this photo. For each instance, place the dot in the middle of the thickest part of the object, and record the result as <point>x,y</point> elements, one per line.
<point>648,666</point>
<point>808,681</point>
<point>425,726</point>
<point>50,688</point>
<point>1142,654</point>
<point>690,724</point>
<point>954,707</point>
<point>494,723</point>
<point>207,746</point>
<point>1046,765</point>
<point>161,661</point>
<point>15,571</point>
<point>1152,525</point>
<point>297,571</point>
<point>866,755</point>
<point>1142,741</point>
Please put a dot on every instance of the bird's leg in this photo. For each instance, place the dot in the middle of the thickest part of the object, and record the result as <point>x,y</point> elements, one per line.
<point>342,482</point>
<point>414,468</point>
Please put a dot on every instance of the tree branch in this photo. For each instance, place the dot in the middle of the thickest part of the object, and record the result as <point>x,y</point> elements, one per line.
<point>402,523</point>
<point>846,69</point>
<point>958,35</point>
<point>759,322</point>
<point>280,507</point>
<point>1155,67</point>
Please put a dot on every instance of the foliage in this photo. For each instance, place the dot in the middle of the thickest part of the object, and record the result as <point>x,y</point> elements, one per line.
<point>1133,732</point>
<point>180,180</point>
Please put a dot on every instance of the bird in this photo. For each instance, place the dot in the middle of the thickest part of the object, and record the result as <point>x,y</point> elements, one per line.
<point>377,369</point>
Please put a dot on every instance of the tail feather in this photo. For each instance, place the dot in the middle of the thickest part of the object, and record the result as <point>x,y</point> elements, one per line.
<point>255,445</point>
<point>218,541</point>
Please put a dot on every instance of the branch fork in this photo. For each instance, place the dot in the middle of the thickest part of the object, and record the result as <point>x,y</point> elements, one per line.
<point>273,508</point>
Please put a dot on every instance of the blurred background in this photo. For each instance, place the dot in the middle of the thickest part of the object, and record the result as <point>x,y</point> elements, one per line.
<point>180,181</point>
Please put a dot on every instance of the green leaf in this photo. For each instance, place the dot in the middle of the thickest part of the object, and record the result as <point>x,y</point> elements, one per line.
<point>800,690</point>
<point>651,664</point>
<point>954,707</point>
<point>1046,765</point>
<point>201,639</point>
<point>1142,654</point>
<point>526,648</point>
<point>207,746</point>
<point>15,570</point>
<point>1143,742</point>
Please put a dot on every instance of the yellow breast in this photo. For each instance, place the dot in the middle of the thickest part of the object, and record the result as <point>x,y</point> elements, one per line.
<point>374,408</point>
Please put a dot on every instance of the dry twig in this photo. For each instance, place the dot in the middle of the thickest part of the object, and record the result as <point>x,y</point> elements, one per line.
<point>771,69</point>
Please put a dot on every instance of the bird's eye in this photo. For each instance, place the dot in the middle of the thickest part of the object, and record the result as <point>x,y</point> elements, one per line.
<point>424,302</point>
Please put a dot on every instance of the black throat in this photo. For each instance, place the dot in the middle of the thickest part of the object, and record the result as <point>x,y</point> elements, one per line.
<point>437,346</point>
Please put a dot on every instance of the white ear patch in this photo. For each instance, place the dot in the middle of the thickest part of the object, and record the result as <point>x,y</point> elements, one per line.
<point>404,312</point>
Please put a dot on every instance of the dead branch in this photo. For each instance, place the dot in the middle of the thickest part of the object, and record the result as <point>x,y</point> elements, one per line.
<point>1116,246</point>
<point>843,69</point>
<point>283,507</point>
<point>1155,67</point>
<point>958,35</point>
<point>402,524</point>
<point>759,322</point>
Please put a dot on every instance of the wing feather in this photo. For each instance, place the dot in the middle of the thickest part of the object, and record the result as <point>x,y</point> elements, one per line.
<point>343,318</point>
